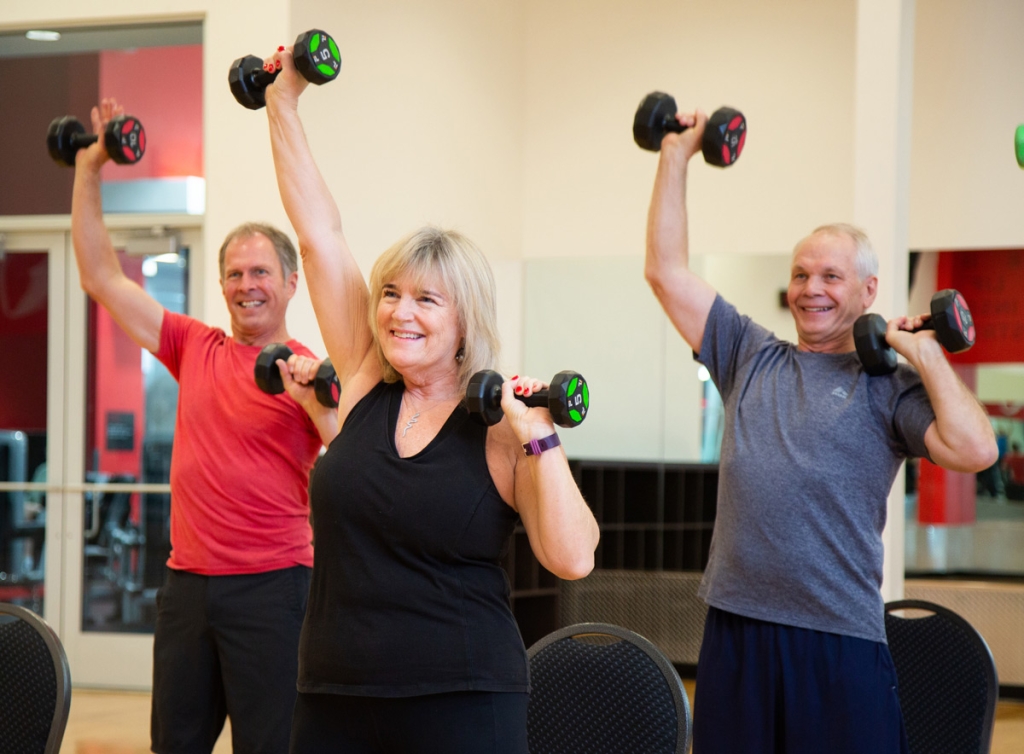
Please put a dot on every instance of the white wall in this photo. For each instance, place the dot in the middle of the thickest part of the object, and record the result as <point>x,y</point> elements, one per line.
<point>597,316</point>
<point>788,66</point>
<point>423,125</point>
<point>966,190</point>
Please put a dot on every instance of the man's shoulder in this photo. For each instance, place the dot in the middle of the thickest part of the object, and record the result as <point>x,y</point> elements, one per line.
<point>181,333</point>
<point>730,325</point>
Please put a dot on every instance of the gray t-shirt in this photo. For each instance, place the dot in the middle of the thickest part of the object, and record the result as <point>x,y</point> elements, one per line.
<point>810,450</point>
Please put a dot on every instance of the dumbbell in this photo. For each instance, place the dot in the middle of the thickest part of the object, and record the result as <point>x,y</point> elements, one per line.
<point>951,320</point>
<point>124,139</point>
<point>1018,145</point>
<point>567,399</point>
<point>724,135</point>
<point>316,57</point>
<point>268,376</point>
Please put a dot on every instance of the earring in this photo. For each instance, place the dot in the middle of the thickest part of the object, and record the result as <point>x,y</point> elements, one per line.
<point>461,353</point>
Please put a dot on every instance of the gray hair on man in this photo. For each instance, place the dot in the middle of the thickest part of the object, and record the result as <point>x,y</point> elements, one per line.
<point>865,261</point>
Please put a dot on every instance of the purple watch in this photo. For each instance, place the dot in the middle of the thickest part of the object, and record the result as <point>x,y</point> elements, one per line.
<point>536,447</point>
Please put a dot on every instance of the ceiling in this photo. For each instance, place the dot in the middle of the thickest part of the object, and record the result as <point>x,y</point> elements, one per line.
<point>82,39</point>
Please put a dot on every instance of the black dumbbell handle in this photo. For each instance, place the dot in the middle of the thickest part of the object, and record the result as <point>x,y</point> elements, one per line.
<point>537,399</point>
<point>669,123</point>
<point>81,140</point>
<point>262,78</point>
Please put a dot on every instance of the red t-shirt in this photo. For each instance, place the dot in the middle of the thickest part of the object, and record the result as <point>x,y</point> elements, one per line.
<point>1015,465</point>
<point>241,459</point>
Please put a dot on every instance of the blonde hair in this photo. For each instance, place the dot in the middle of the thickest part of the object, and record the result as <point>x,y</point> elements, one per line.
<point>466,277</point>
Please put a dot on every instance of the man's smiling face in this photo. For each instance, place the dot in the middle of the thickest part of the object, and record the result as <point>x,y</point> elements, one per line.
<point>255,289</point>
<point>826,293</point>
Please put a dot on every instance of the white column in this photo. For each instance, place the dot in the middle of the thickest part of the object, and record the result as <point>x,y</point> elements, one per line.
<point>883,101</point>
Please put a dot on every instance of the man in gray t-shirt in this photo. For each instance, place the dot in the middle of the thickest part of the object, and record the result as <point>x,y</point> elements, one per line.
<point>794,656</point>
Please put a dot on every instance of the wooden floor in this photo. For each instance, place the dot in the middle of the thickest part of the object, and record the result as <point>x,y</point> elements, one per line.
<point>104,722</point>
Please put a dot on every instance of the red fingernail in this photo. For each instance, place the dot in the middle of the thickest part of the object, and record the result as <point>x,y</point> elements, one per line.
<point>281,48</point>
<point>519,389</point>
<point>527,391</point>
<point>515,377</point>
<point>279,65</point>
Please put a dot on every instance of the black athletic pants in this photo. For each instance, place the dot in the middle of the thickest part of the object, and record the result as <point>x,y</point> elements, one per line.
<point>227,646</point>
<point>464,722</point>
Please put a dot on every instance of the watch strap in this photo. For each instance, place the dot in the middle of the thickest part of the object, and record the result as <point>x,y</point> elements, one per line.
<point>536,447</point>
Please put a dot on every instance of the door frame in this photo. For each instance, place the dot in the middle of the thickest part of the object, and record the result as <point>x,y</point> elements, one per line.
<point>100,660</point>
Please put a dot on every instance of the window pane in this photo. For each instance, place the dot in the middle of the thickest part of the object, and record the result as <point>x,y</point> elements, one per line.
<point>24,302</point>
<point>131,406</point>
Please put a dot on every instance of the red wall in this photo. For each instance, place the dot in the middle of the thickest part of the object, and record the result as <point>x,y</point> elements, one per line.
<point>34,91</point>
<point>992,282</point>
<point>163,88</point>
<point>23,313</point>
<point>116,368</point>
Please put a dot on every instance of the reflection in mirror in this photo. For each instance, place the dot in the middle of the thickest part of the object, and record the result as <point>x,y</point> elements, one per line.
<point>960,524</point>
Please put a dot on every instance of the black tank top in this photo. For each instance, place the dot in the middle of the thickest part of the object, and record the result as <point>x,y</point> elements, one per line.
<point>408,596</point>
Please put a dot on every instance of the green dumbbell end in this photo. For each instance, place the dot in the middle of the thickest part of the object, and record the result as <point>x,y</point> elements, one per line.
<point>1018,144</point>
<point>317,57</point>
<point>584,394</point>
<point>568,399</point>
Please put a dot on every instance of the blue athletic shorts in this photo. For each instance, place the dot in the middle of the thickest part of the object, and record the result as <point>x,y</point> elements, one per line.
<point>766,688</point>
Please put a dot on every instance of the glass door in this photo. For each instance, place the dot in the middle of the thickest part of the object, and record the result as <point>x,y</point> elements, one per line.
<point>32,500</point>
<point>117,530</point>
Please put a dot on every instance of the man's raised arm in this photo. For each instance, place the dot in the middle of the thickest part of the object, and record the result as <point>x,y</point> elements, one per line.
<point>685,297</point>
<point>138,313</point>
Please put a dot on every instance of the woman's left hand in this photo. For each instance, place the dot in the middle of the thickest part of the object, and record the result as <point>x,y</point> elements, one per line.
<point>527,423</point>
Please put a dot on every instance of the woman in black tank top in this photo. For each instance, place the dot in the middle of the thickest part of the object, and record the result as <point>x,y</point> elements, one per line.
<point>409,644</point>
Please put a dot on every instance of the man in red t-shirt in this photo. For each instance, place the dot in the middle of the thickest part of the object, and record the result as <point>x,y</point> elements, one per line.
<point>231,608</point>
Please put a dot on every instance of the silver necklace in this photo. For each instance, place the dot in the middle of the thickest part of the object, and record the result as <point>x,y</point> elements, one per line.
<point>408,424</point>
<point>416,416</point>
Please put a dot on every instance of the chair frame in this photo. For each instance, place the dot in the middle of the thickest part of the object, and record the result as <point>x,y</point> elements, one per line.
<point>62,671</point>
<point>992,675</point>
<point>668,671</point>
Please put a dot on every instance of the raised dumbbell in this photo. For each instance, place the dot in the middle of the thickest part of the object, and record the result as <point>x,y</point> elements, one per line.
<point>951,320</point>
<point>724,135</point>
<point>1018,145</point>
<point>568,398</point>
<point>124,139</point>
<point>268,377</point>
<point>316,57</point>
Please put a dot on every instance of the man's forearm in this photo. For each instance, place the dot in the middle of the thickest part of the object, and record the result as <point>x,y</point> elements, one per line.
<point>961,423</point>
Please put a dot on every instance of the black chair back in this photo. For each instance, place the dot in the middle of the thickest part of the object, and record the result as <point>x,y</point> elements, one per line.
<point>948,686</point>
<point>602,689</point>
<point>35,684</point>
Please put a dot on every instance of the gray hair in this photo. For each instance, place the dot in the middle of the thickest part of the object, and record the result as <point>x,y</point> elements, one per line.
<point>282,245</point>
<point>465,275</point>
<point>865,261</point>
